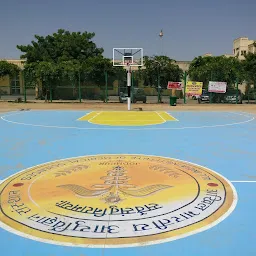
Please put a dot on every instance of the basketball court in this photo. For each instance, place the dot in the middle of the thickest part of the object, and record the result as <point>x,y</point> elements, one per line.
<point>89,182</point>
<point>135,182</point>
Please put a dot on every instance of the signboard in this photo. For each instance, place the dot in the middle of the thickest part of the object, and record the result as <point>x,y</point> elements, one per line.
<point>219,87</point>
<point>174,85</point>
<point>194,88</point>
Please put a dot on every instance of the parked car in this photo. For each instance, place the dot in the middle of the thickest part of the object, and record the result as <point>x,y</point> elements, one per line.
<point>123,97</point>
<point>139,95</point>
<point>205,97</point>
<point>195,97</point>
<point>230,97</point>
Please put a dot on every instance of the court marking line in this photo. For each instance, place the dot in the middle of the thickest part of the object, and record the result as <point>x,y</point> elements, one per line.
<point>243,181</point>
<point>79,119</point>
<point>131,129</point>
<point>160,116</point>
<point>125,120</point>
<point>29,194</point>
<point>96,114</point>
<point>175,119</point>
<point>207,227</point>
<point>232,181</point>
<point>125,112</point>
<point>4,113</point>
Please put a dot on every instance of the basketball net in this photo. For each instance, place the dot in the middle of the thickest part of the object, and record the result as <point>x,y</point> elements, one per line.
<point>128,66</point>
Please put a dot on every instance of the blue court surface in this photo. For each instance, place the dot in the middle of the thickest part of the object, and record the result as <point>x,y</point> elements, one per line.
<point>76,188</point>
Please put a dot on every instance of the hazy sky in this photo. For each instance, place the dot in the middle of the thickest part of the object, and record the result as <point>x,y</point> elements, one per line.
<point>191,28</point>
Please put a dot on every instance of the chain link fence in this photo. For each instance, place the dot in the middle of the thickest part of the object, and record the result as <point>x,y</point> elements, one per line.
<point>114,89</point>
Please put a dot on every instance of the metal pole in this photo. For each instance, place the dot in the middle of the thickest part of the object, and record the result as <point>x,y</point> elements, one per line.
<point>185,85</point>
<point>129,87</point>
<point>254,89</point>
<point>211,92</point>
<point>79,87</point>
<point>50,92</point>
<point>158,84</point>
<point>24,85</point>
<point>248,91</point>
<point>132,87</point>
<point>236,91</point>
<point>106,86</point>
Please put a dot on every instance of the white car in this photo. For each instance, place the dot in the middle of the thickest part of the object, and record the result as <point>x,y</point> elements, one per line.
<point>195,97</point>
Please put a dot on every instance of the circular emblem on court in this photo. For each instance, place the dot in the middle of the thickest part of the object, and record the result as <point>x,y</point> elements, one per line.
<point>114,200</point>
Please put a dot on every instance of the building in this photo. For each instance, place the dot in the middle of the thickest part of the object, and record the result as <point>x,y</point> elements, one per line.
<point>252,47</point>
<point>241,46</point>
<point>12,85</point>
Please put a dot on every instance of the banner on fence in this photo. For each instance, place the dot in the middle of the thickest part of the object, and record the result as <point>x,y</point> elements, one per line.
<point>174,85</point>
<point>194,88</point>
<point>219,87</point>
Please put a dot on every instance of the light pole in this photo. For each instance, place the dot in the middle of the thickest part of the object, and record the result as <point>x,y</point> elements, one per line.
<point>161,34</point>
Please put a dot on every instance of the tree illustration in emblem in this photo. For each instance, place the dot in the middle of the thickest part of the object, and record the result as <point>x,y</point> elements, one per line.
<point>116,183</point>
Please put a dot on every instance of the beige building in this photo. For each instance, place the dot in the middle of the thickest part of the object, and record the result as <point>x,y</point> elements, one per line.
<point>252,48</point>
<point>241,46</point>
<point>12,85</point>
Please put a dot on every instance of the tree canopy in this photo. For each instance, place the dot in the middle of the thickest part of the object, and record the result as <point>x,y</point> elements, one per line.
<point>249,65</point>
<point>64,56</point>
<point>219,68</point>
<point>160,67</point>
<point>61,46</point>
<point>7,68</point>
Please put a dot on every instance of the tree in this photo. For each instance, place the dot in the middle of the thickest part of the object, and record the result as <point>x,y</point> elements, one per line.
<point>249,65</point>
<point>160,68</point>
<point>220,68</point>
<point>8,69</point>
<point>61,46</point>
<point>64,56</point>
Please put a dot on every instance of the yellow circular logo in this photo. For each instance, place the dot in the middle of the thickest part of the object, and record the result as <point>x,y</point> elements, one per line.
<point>114,200</point>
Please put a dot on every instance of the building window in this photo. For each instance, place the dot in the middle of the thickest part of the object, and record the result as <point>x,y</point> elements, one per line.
<point>15,85</point>
<point>243,53</point>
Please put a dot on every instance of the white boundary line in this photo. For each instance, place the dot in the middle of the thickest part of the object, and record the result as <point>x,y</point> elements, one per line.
<point>232,181</point>
<point>83,116</point>
<point>160,116</point>
<point>4,113</point>
<point>175,119</point>
<point>224,216</point>
<point>134,129</point>
<point>115,125</point>
<point>243,181</point>
<point>29,194</point>
<point>89,120</point>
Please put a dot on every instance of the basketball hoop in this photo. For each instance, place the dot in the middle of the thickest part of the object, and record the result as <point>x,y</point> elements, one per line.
<point>128,58</point>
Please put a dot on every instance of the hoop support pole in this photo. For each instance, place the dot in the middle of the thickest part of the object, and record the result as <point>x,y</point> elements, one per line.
<point>129,87</point>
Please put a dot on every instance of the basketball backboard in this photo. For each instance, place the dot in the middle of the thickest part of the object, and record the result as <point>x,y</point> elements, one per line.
<point>125,56</point>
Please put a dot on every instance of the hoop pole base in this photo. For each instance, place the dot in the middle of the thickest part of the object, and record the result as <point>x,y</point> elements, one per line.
<point>129,103</point>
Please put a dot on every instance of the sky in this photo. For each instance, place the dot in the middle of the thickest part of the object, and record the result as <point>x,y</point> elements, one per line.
<point>191,28</point>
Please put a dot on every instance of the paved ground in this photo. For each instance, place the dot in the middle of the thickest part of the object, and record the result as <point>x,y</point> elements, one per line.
<point>162,189</point>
